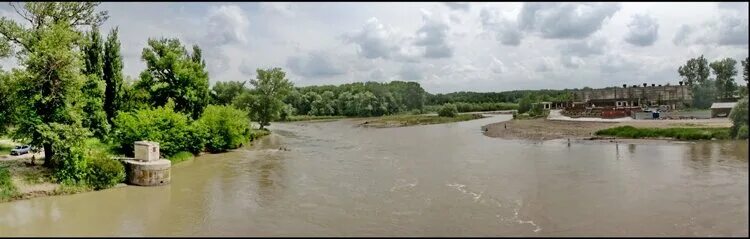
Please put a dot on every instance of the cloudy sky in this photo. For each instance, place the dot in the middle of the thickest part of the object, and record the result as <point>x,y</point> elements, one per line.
<point>445,47</point>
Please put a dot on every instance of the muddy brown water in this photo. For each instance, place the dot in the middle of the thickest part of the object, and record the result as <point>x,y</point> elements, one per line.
<point>436,180</point>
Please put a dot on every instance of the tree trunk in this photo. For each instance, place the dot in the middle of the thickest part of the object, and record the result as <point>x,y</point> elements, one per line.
<point>48,153</point>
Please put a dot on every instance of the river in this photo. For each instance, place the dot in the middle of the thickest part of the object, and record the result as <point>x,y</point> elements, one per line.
<point>338,179</point>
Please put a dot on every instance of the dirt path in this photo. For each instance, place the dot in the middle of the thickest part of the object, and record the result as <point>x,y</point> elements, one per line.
<point>544,129</point>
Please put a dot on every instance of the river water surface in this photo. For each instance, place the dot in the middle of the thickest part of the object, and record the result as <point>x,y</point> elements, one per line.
<point>338,179</point>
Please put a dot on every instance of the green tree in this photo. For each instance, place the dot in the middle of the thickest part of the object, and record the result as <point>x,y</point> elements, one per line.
<point>448,110</point>
<point>695,71</point>
<point>227,127</point>
<point>739,118</point>
<point>725,71</point>
<point>525,104</point>
<point>223,93</point>
<point>112,75</point>
<point>6,104</point>
<point>95,118</point>
<point>47,46</point>
<point>272,87</point>
<point>172,73</point>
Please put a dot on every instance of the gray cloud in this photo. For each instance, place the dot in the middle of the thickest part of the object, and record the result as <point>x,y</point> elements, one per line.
<point>374,40</point>
<point>227,24</point>
<point>433,36</point>
<point>643,30</point>
<point>458,6</point>
<point>565,20</point>
<point>506,31</point>
<point>410,72</point>
<point>729,29</point>
<point>314,64</point>
<point>583,48</point>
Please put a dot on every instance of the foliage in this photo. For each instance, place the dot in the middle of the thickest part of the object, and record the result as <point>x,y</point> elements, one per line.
<point>525,103</point>
<point>704,94</point>
<point>48,49</point>
<point>181,156</point>
<point>357,99</point>
<point>7,189</point>
<point>95,118</point>
<point>227,127</point>
<point>69,160</point>
<point>265,101</point>
<point>172,73</point>
<point>133,98</point>
<point>739,117</point>
<point>448,110</point>
<point>312,117</point>
<point>676,133</point>
<point>695,71</point>
<point>408,120</point>
<point>112,75</point>
<point>6,98</point>
<point>223,93</point>
<point>105,172</point>
<point>725,71</point>
<point>494,97</point>
<point>171,129</point>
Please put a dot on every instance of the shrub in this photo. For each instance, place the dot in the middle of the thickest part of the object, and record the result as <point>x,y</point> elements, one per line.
<point>181,156</point>
<point>739,118</point>
<point>172,130</point>
<point>677,133</point>
<point>7,189</point>
<point>105,172</point>
<point>226,127</point>
<point>448,110</point>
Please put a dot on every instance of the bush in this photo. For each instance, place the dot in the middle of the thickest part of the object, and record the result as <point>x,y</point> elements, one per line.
<point>739,118</point>
<point>7,189</point>
<point>105,172</point>
<point>448,110</point>
<point>226,127</point>
<point>172,130</point>
<point>677,133</point>
<point>181,156</point>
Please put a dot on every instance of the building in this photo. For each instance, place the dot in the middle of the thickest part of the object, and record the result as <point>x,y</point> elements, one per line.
<point>721,109</point>
<point>645,96</point>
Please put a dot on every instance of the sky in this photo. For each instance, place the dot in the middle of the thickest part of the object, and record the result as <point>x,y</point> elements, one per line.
<point>446,47</point>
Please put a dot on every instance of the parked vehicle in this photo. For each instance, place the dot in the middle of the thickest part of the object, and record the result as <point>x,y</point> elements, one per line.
<point>21,149</point>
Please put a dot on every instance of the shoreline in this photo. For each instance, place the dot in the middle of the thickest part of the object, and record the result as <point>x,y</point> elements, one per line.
<point>33,181</point>
<point>546,129</point>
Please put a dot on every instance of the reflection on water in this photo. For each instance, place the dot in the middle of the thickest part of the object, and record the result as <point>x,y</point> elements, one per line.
<point>337,179</point>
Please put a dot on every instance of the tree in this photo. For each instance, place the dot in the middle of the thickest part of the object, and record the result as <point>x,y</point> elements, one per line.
<point>696,70</point>
<point>112,75</point>
<point>725,71</point>
<point>49,100</point>
<point>6,104</point>
<point>172,73</point>
<point>93,90</point>
<point>272,87</point>
<point>223,93</point>
<point>739,118</point>
<point>448,110</point>
<point>746,69</point>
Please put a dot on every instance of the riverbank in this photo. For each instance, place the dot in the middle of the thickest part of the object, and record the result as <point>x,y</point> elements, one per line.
<point>34,180</point>
<point>544,129</point>
<point>410,120</point>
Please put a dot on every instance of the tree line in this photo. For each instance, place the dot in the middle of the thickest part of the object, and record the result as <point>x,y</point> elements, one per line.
<point>713,82</point>
<point>69,98</point>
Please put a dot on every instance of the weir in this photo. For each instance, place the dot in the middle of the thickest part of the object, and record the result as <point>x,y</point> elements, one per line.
<point>147,168</point>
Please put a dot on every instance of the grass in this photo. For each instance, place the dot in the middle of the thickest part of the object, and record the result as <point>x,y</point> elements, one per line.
<point>407,120</point>
<point>312,117</point>
<point>181,156</point>
<point>5,149</point>
<point>676,133</point>
<point>7,189</point>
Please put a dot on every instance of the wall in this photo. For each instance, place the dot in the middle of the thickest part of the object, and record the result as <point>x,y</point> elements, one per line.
<point>664,94</point>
